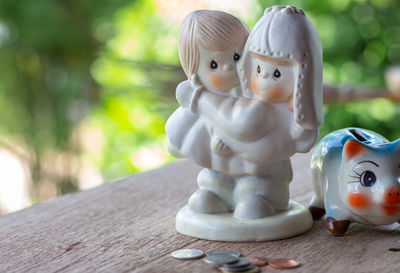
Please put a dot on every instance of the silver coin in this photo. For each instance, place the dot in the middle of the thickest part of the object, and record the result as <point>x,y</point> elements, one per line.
<point>224,252</point>
<point>243,261</point>
<point>255,269</point>
<point>236,269</point>
<point>187,254</point>
<point>221,259</point>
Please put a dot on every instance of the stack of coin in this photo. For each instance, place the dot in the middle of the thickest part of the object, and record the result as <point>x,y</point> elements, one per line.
<point>230,261</point>
<point>242,265</point>
<point>224,252</point>
<point>233,261</point>
<point>220,257</point>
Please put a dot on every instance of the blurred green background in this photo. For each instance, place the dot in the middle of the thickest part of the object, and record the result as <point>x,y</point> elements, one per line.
<point>87,86</point>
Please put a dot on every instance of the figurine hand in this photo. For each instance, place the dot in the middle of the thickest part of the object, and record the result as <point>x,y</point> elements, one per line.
<point>184,93</point>
<point>305,139</point>
<point>297,131</point>
<point>195,81</point>
<point>219,147</point>
<point>307,142</point>
<point>188,93</point>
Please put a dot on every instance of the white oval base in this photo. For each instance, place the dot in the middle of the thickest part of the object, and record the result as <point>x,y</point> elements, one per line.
<point>224,227</point>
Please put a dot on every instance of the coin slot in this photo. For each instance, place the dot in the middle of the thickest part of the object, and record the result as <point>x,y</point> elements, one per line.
<point>357,135</point>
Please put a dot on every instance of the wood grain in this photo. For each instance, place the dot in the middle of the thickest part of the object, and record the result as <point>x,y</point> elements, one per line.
<point>128,226</point>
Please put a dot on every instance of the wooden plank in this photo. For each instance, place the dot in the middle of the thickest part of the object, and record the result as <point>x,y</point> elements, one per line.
<point>128,226</point>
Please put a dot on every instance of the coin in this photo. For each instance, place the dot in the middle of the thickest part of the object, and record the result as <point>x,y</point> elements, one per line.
<point>255,269</point>
<point>236,269</point>
<point>187,254</point>
<point>258,260</point>
<point>283,263</point>
<point>220,259</point>
<point>243,264</point>
<point>222,252</point>
<point>243,261</point>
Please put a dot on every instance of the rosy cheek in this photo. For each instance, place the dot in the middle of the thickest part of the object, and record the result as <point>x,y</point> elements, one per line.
<point>290,104</point>
<point>275,94</point>
<point>358,200</point>
<point>254,85</point>
<point>216,82</point>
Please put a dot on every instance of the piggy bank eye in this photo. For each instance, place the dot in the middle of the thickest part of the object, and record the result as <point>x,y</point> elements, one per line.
<point>213,65</point>
<point>367,179</point>
<point>258,69</point>
<point>236,57</point>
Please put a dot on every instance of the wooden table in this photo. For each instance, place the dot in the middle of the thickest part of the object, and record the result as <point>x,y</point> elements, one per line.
<point>128,226</point>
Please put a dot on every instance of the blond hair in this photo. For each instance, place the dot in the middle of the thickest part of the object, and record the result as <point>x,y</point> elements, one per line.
<point>211,29</point>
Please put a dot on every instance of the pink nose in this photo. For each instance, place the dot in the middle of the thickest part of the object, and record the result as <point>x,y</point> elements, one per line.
<point>392,196</point>
<point>228,67</point>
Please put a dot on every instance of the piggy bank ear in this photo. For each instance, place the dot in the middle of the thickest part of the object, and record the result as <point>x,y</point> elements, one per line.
<point>353,148</point>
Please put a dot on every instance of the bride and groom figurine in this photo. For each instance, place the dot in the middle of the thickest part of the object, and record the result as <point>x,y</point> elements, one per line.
<point>252,100</point>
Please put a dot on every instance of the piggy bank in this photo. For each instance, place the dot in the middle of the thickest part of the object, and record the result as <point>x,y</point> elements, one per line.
<point>356,176</point>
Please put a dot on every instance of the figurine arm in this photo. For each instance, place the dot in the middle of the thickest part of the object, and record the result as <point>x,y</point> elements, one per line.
<point>297,131</point>
<point>183,93</point>
<point>219,147</point>
<point>305,138</point>
<point>241,118</point>
<point>188,93</point>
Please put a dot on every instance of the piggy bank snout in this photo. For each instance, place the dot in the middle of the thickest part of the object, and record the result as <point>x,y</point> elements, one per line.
<point>392,196</point>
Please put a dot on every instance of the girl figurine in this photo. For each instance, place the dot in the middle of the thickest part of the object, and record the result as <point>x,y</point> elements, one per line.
<point>210,44</point>
<point>279,114</point>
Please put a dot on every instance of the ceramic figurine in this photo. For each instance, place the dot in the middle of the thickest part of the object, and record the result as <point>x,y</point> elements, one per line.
<point>245,143</point>
<point>210,44</point>
<point>356,175</point>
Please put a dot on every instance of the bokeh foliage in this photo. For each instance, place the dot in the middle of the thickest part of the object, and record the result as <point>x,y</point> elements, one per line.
<point>114,65</point>
<point>47,49</point>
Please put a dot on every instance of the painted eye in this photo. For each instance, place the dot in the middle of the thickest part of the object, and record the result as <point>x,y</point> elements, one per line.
<point>277,74</point>
<point>258,69</point>
<point>367,179</point>
<point>213,64</point>
<point>236,57</point>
